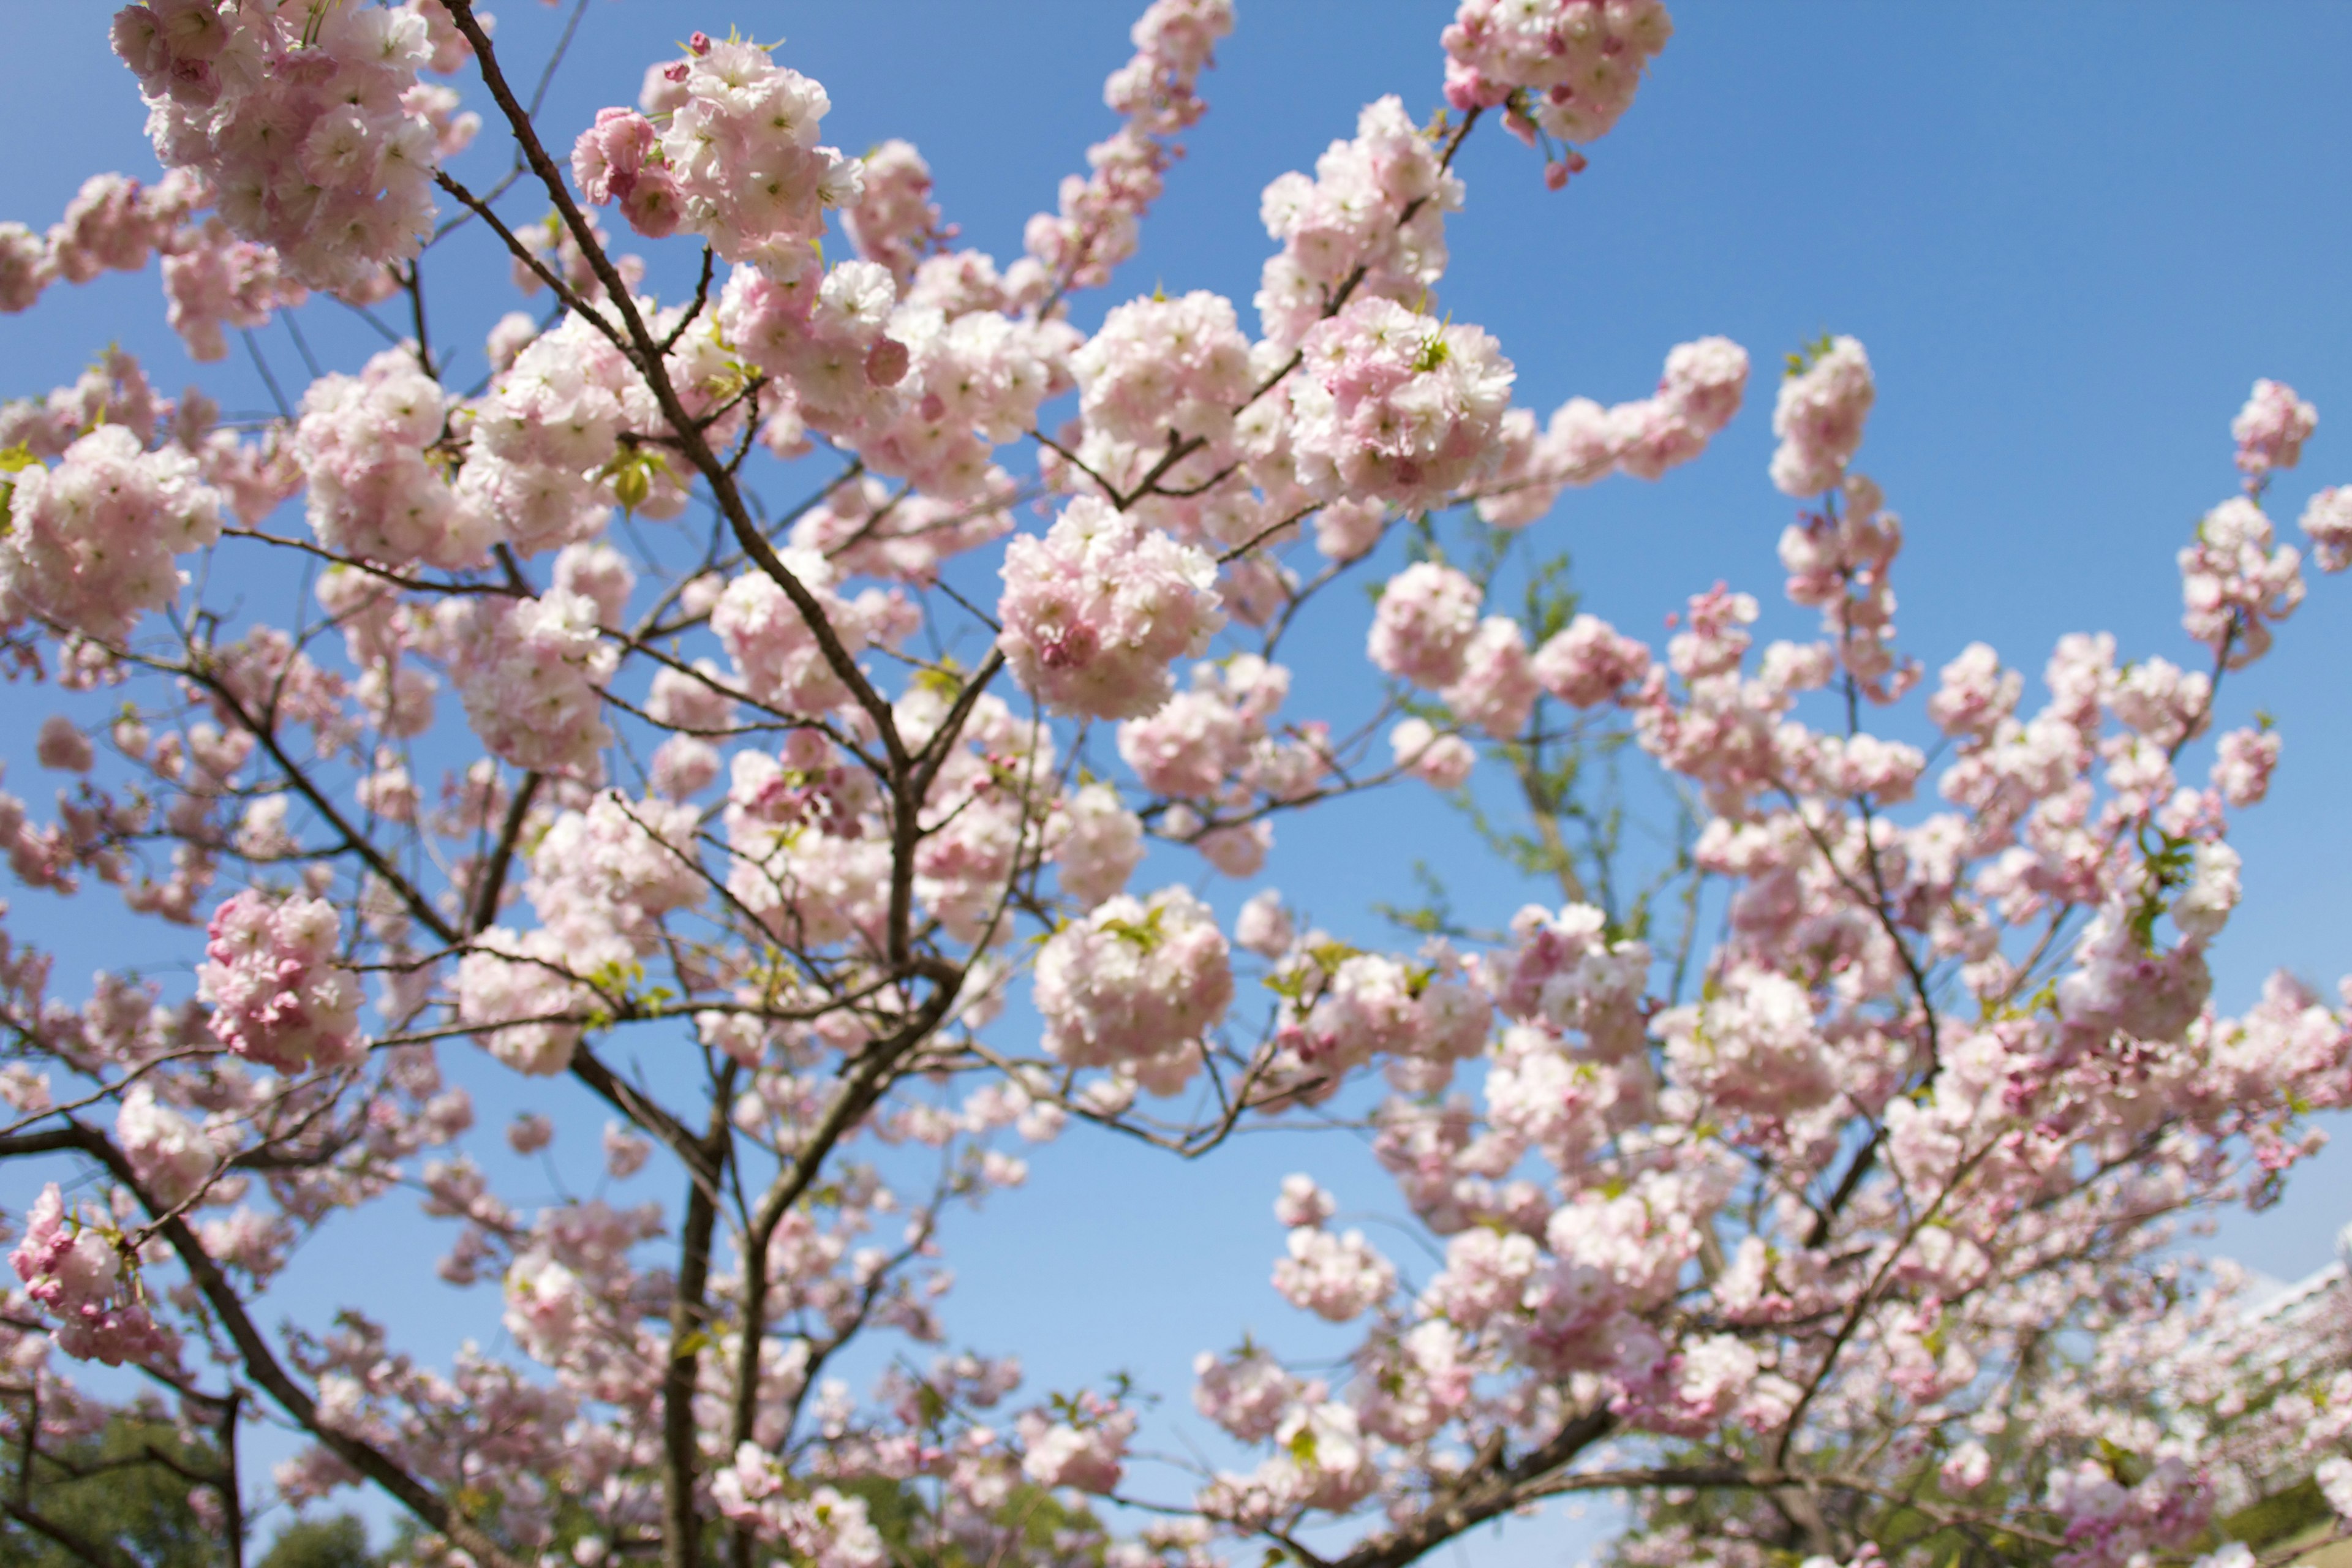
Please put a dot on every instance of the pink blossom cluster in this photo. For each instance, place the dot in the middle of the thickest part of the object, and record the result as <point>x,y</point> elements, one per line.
<point>2236,580</point>
<point>894,222</point>
<point>778,659</point>
<point>1158,368</point>
<point>279,995</point>
<point>78,1273</point>
<point>1442,760</point>
<point>614,870</point>
<point>1349,1007</point>
<point>988,811</point>
<point>1498,686</point>
<point>1566,972</point>
<point>2271,430</point>
<point>925,389</point>
<point>2327,523</point>
<point>810,858</point>
<point>1095,228</point>
<point>175,1156</point>
<point>2109,1523</point>
<point>110,225</point>
<point>1247,1393</point>
<point>1569,66</point>
<point>89,544</point>
<point>1217,740</point>
<point>1083,1450</point>
<point>519,994</point>
<point>824,1528</point>
<point>1753,1048</point>
<point>545,438</point>
<point>1701,389</point>
<point>374,492</point>
<point>1395,406</point>
<point>1425,625</point>
<point>1819,418</point>
<point>726,147</point>
<point>1097,609</point>
<point>1133,980</point>
<point>1336,1277</point>
<point>1589,662</point>
<point>213,280</point>
<point>825,334</point>
<point>301,122</point>
<point>1371,224</point>
<point>530,671</point>
<point>1097,843</point>
<point>1839,559</point>
<point>973,382</point>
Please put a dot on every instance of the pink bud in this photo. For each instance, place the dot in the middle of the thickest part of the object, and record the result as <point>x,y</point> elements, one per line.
<point>886,362</point>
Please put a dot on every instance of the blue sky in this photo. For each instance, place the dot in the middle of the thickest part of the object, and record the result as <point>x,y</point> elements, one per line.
<point>2069,235</point>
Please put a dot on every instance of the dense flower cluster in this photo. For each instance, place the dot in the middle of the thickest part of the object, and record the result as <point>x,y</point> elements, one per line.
<point>278,994</point>
<point>90,543</point>
<point>305,122</point>
<point>1570,67</point>
<point>1819,418</point>
<point>1702,388</point>
<point>1097,610</point>
<point>1158,366</point>
<point>1804,1167</point>
<point>734,158</point>
<point>374,490</point>
<point>1394,406</point>
<point>76,1272</point>
<point>894,222</point>
<point>1371,224</point>
<point>1096,227</point>
<point>529,671</point>
<point>2271,430</point>
<point>1135,980</point>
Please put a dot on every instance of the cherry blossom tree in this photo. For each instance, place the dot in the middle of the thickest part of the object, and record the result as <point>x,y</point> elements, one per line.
<point>1816,1191</point>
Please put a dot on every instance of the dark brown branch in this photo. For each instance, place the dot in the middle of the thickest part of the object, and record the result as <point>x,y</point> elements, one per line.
<point>494,872</point>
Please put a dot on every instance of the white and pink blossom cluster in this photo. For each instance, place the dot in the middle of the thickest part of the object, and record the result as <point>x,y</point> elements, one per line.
<point>302,122</point>
<point>1096,226</point>
<point>90,543</point>
<point>1369,224</point>
<point>1133,980</point>
<point>779,658</point>
<point>824,1527</point>
<point>1701,389</point>
<point>2237,581</point>
<point>112,225</point>
<point>1569,68</point>
<point>280,996</point>
<point>1097,609</point>
<point>1819,418</point>
<point>1160,369</point>
<point>726,147</point>
<point>365,445</point>
<point>76,1271</point>
<point>1395,406</point>
<point>2271,430</point>
<point>529,671</point>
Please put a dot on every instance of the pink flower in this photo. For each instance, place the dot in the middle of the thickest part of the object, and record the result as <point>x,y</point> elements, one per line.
<point>2271,430</point>
<point>1819,419</point>
<point>1132,979</point>
<point>1096,611</point>
<point>278,994</point>
<point>1394,406</point>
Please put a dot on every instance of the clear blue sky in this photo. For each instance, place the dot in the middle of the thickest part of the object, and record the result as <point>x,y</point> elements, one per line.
<point>2070,236</point>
